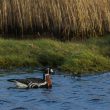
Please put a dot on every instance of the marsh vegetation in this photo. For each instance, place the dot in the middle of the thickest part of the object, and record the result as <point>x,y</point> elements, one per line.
<point>82,22</point>
<point>64,19</point>
<point>92,55</point>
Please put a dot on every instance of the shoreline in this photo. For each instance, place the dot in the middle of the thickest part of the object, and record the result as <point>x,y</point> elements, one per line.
<point>75,57</point>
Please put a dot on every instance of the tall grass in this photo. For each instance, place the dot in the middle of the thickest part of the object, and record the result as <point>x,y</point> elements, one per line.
<point>66,19</point>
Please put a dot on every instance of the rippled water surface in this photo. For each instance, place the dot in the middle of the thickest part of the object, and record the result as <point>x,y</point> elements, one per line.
<point>68,93</point>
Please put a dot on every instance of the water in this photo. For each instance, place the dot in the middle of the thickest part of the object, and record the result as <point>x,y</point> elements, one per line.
<point>68,93</point>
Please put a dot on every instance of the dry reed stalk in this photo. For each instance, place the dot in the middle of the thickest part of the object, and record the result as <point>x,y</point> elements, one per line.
<point>68,19</point>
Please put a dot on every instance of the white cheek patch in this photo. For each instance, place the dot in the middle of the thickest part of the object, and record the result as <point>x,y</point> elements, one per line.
<point>51,70</point>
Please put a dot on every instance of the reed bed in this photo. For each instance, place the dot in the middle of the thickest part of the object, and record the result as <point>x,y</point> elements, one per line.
<point>65,19</point>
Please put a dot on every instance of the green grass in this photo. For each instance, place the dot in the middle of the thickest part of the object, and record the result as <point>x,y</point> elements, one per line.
<point>92,55</point>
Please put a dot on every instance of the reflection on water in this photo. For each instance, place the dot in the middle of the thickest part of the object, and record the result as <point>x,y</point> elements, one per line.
<point>68,93</point>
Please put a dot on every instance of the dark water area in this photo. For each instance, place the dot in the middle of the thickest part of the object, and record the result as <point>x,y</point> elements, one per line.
<point>68,93</point>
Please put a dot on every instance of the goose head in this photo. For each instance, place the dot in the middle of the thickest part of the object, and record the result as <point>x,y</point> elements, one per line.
<point>47,76</point>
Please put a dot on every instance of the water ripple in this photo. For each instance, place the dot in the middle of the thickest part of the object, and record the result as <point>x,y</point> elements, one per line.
<point>68,93</point>
<point>19,108</point>
<point>4,102</point>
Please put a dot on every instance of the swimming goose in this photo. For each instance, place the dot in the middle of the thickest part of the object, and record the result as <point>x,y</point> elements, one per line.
<point>35,82</point>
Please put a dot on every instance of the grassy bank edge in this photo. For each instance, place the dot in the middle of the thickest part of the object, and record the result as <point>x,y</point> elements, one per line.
<point>92,55</point>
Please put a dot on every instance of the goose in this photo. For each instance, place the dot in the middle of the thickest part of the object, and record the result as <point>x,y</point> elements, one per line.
<point>46,82</point>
